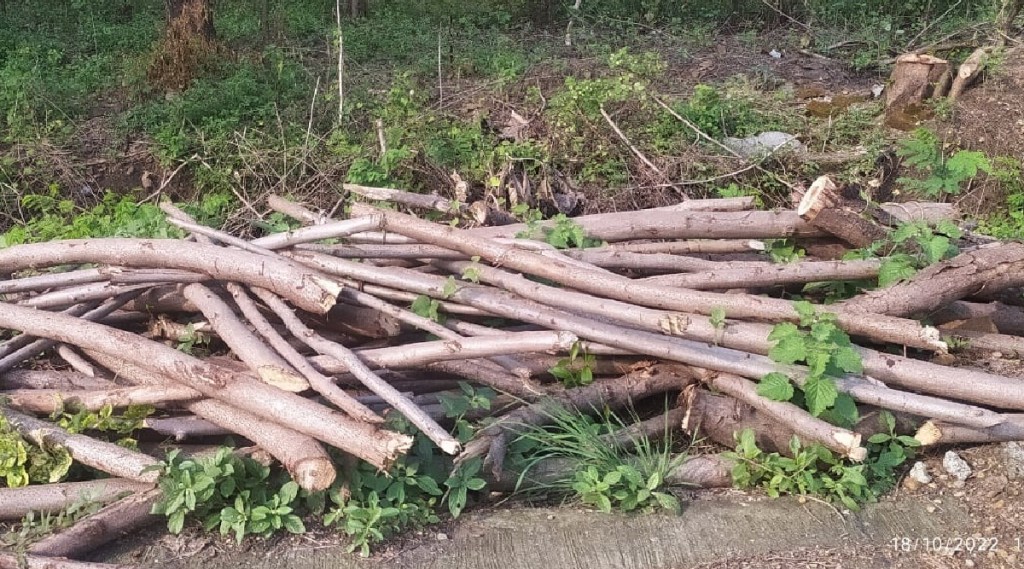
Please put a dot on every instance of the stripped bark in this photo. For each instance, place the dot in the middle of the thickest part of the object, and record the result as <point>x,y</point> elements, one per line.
<point>420,201</point>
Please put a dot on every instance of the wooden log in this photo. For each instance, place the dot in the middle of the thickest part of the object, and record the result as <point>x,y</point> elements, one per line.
<point>893,214</point>
<point>969,70</point>
<point>52,498</point>
<point>721,418</point>
<point>267,364</point>
<point>904,332</point>
<point>106,457</point>
<point>810,429</point>
<point>294,210</point>
<point>51,379</point>
<point>823,208</point>
<point>400,197</point>
<point>114,521</point>
<point>941,433</point>
<point>771,275</point>
<point>302,456</point>
<point>1006,318</point>
<point>989,268</point>
<point>48,401</point>
<point>375,446</point>
<point>305,288</point>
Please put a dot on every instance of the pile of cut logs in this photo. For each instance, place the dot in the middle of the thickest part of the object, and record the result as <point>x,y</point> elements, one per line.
<point>317,341</point>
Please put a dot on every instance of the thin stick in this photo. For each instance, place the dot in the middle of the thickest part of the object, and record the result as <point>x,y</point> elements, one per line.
<point>636,151</point>
<point>341,63</point>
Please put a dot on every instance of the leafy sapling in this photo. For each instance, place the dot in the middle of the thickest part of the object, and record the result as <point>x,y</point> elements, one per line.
<point>825,349</point>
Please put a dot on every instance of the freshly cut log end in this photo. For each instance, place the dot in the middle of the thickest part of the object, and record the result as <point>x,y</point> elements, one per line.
<point>928,434</point>
<point>821,195</point>
<point>451,448</point>
<point>314,474</point>
<point>331,290</point>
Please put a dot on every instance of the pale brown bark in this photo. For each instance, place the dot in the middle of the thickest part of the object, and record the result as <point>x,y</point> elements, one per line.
<point>376,447</point>
<point>299,285</point>
<point>18,561</point>
<point>47,498</point>
<point>47,401</point>
<point>989,269</point>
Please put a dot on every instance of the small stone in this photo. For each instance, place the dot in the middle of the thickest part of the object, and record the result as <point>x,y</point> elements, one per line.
<point>919,473</point>
<point>956,466</point>
<point>931,509</point>
<point>442,537</point>
<point>959,494</point>
<point>968,563</point>
<point>1013,456</point>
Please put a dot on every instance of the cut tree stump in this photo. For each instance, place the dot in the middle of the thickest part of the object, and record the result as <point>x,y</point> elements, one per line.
<point>915,79</point>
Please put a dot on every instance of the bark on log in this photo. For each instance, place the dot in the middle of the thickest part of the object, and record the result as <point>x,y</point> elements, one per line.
<point>51,379</point>
<point>721,419</point>
<point>990,268</point>
<point>301,286</point>
<point>374,446</point>
<point>906,212</point>
<point>106,457</point>
<point>694,246</point>
<point>52,498</point>
<point>788,415</point>
<point>940,433</point>
<point>771,275</point>
<point>115,521</point>
<point>48,401</point>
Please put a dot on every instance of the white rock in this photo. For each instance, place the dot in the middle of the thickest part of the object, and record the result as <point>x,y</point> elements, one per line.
<point>919,472</point>
<point>956,466</point>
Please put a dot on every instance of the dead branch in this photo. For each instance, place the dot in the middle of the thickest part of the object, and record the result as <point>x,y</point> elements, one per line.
<point>48,401</point>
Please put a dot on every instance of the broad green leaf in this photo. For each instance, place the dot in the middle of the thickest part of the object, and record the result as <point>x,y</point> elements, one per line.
<point>820,393</point>
<point>775,386</point>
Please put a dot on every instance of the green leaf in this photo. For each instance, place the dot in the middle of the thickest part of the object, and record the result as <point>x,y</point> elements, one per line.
<point>789,349</point>
<point>820,393</point>
<point>288,492</point>
<point>667,502</point>
<point>848,360</point>
<point>775,386</point>
<point>895,269</point>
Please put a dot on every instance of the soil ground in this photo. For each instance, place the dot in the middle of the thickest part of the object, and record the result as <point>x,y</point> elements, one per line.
<point>937,526</point>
